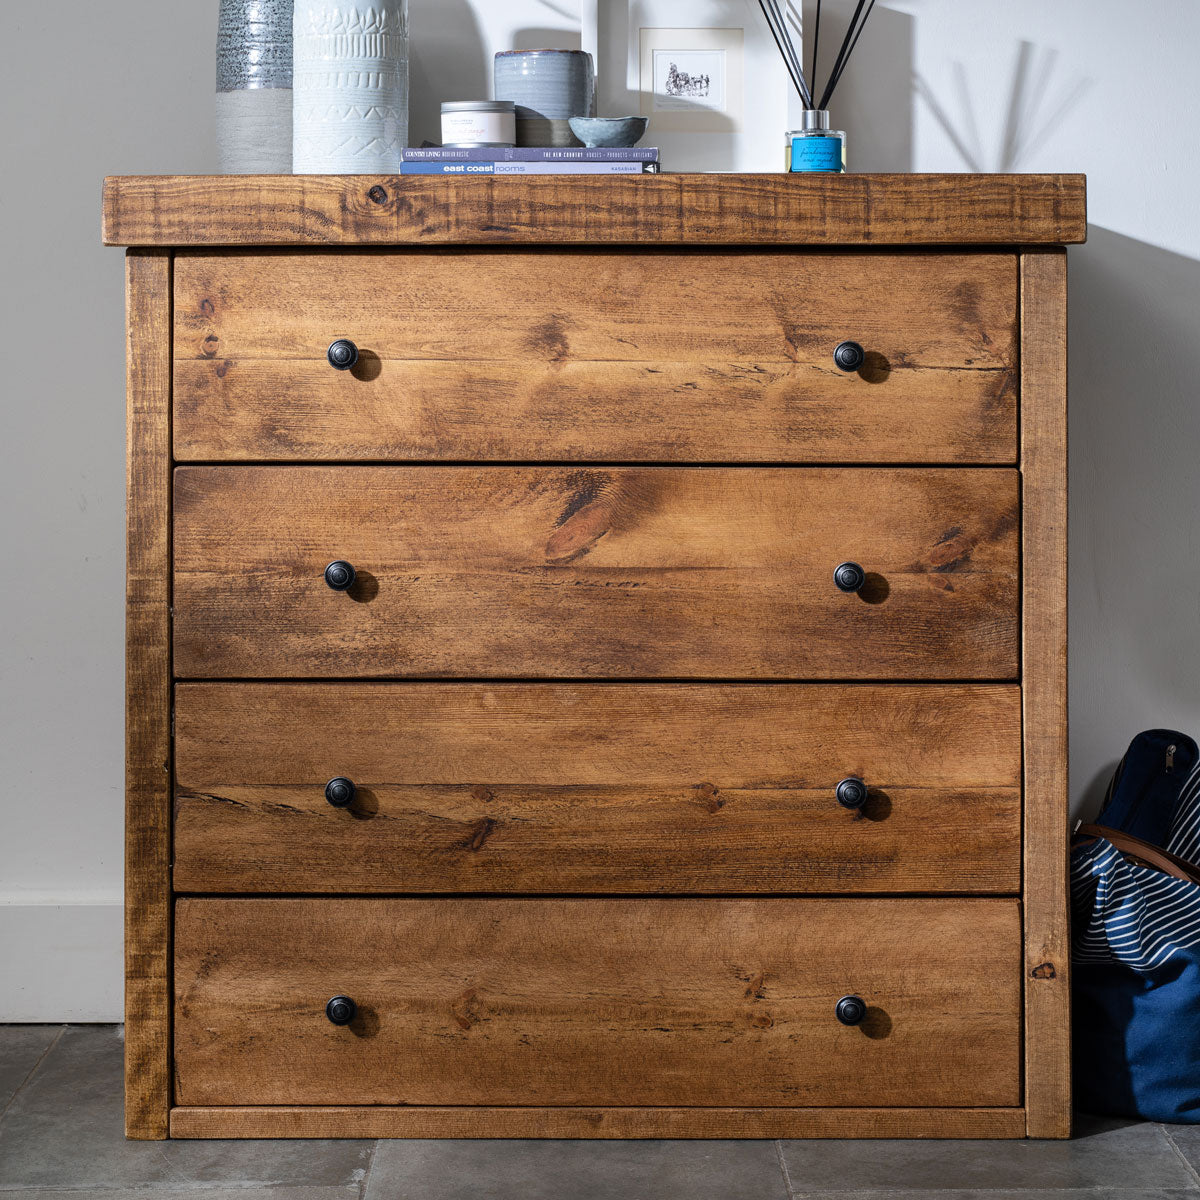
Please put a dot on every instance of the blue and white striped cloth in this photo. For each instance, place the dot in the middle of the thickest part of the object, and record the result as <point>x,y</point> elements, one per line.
<point>1133,915</point>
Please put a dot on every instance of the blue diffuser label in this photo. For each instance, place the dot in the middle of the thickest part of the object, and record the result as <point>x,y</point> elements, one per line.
<point>817,154</point>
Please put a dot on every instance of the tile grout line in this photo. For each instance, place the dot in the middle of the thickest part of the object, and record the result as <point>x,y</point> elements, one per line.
<point>1037,1193</point>
<point>33,1070</point>
<point>1180,1155</point>
<point>364,1187</point>
<point>787,1179</point>
<point>172,1191</point>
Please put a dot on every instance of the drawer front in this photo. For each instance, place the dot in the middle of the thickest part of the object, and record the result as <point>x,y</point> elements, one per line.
<point>604,1001</point>
<point>596,788</point>
<point>576,572</point>
<point>673,356</point>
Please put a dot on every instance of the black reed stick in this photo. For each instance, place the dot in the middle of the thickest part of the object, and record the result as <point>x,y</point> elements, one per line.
<point>816,42</point>
<point>837,62</point>
<point>796,58</point>
<point>857,35</point>
<point>792,17</point>
<point>764,5</point>
<point>786,50</point>
<point>781,19</point>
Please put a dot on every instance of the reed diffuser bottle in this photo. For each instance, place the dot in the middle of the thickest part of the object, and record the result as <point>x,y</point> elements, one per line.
<point>814,146</point>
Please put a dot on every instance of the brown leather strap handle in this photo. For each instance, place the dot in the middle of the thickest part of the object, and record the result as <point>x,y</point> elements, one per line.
<point>1144,853</point>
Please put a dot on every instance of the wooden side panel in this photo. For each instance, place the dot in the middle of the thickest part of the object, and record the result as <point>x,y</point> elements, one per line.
<point>148,696</point>
<point>710,1002</point>
<point>508,355</point>
<point>1044,674</point>
<point>416,1121</point>
<point>595,573</point>
<point>596,787</point>
<point>679,209</point>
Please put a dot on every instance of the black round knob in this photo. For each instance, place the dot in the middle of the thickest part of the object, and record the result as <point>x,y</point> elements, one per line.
<point>851,792</point>
<point>849,577</point>
<point>850,356</point>
<point>340,792</point>
<point>343,354</point>
<point>340,575</point>
<point>850,1010</point>
<point>341,1010</point>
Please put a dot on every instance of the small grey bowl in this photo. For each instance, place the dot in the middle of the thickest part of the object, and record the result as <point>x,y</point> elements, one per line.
<point>609,131</point>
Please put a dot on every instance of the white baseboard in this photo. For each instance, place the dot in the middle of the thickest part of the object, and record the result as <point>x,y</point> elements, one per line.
<point>61,959</point>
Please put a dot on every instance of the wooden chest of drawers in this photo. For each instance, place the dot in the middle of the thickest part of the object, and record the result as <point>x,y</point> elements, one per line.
<point>596,657</point>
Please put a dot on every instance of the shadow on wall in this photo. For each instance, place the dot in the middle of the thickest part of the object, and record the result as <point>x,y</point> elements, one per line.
<point>1090,796</point>
<point>447,61</point>
<point>1134,326</point>
<point>1037,103</point>
<point>563,35</point>
<point>545,39</point>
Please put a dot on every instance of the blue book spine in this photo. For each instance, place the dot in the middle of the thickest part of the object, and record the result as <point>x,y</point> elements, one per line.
<point>528,168</point>
<point>531,154</point>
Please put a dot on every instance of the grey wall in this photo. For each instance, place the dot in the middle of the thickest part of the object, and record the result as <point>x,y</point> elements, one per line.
<point>937,85</point>
<point>88,90</point>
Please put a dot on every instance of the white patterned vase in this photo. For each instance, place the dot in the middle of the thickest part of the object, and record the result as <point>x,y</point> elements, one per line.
<point>349,87</point>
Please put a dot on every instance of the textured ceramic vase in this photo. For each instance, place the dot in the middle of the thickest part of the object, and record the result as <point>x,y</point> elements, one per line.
<point>254,87</point>
<point>350,87</point>
<point>548,87</point>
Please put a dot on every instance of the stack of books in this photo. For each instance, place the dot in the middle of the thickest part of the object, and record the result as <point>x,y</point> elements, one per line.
<point>528,160</point>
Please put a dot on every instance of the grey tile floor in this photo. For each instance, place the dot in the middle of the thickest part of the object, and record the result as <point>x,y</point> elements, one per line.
<point>60,1136</point>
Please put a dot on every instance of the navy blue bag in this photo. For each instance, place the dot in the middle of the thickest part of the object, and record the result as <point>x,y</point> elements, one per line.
<point>1135,900</point>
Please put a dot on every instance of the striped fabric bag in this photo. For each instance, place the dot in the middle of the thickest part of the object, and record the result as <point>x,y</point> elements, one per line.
<point>1135,899</point>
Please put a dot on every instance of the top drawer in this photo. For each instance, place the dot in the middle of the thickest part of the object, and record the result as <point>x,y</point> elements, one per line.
<point>598,355</point>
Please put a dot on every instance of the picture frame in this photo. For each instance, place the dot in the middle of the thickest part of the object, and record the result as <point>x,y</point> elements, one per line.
<point>729,101</point>
<point>692,80</point>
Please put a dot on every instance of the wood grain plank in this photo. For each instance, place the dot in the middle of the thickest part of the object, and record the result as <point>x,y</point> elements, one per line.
<point>590,573</point>
<point>1044,674</point>
<point>879,210</point>
<point>545,410</point>
<point>710,1002</point>
<point>148,695</point>
<point>417,1121</point>
<point>507,355</point>
<point>950,311</point>
<point>607,788</point>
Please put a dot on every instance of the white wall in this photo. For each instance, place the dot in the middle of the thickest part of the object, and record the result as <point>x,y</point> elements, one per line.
<point>937,85</point>
<point>1030,86</point>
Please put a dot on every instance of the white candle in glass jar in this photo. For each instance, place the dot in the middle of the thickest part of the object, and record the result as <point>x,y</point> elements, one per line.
<point>479,123</point>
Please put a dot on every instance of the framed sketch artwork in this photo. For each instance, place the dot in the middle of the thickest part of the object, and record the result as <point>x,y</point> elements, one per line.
<point>706,72</point>
<point>692,80</point>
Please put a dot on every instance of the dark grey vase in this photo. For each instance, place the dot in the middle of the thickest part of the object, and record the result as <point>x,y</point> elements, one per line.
<point>254,87</point>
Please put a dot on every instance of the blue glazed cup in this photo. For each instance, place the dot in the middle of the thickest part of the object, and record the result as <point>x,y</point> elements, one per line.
<point>548,87</point>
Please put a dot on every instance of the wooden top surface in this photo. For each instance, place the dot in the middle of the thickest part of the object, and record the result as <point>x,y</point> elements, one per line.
<point>779,209</point>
